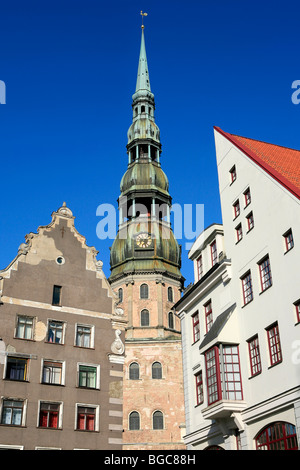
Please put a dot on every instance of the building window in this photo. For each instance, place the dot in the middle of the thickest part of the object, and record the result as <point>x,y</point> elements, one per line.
<point>12,412</point>
<point>55,332</point>
<point>277,436</point>
<point>170,294</point>
<point>49,415</point>
<point>265,274</point>
<point>199,388</point>
<point>86,418</point>
<point>156,370</point>
<point>236,209</point>
<point>24,328</point>
<point>208,316</point>
<point>297,307</point>
<point>17,368</point>
<point>247,195</point>
<point>144,291</point>
<point>254,355</point>
<point>200,267</point>
<point>120,294</point>
<point>289,241</point>
<point>214,254</point>
<point>145,317</point>
<point>250,221</point>
<point>247,288</point>
<point>274,344</point>
<point>238,233</point>
<point>196,327</point>
<point>87,376</point>
<point>52,373</point>
<point>56,297</point>
<point>171,320</point>
<point>84,336</point>
<point>134,371</point>
<point>158,420</point>
<point>232,173</point>
<point>134,421</point>
<point>223,374</point>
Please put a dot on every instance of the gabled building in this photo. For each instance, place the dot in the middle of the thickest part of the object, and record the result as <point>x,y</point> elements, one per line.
<point>61,345</point>
<point>242,380</point>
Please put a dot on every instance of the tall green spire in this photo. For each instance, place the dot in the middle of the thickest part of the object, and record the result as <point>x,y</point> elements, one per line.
<point>143,80</point>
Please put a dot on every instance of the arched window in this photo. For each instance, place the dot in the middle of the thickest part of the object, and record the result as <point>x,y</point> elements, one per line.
<point>120,294</point>
<point>134,371</point>
<point>213,448</point>
<point>156,370</point>
<point>277,436</point>
<point>144,291</point>
<point>145,317</point>
<point>158,420</point>
<point>170,294</point>
<point>134,421</point>
<point>171,320</point>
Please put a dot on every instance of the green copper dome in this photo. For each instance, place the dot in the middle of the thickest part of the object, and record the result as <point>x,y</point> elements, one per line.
<point>144,176</point>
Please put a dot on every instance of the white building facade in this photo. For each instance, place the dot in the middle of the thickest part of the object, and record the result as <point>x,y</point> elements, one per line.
<point>241,318</point>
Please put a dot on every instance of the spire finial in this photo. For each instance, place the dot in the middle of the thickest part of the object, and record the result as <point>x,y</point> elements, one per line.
<point>143,14</point>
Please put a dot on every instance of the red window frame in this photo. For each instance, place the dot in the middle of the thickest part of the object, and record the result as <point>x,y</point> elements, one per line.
<point>254,356</point>
<point>214,253</point>
<point>247,195</point>
<point>236,209</point>
<point>239,232</point>
<point>86,418</point>
<point>247,288</point>
<point>212,364</point>
<point>277,436</point>
<point>274,344</point>
<point>232,373</point>
<point>196,327</point>
<point>199,387</point>
<point>233,174</point>
<point>297,307</point>
<point>200,267</point>
<point>265,273</point>
<point>208,316</point>
<point>289,240</point>
<point>250,221</point>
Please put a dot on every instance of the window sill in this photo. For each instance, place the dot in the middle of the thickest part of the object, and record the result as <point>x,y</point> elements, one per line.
<point>254,375</point>
<point>276,364</point>
<point>267,288</point>
<point>239,241</point>
<point>287,251</point>
<point>245,305</point>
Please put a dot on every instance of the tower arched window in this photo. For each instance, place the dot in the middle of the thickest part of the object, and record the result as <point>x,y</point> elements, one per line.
<point>158,420</point>
<point>277,436</point>
<point>134,421</point>
<point>120,294</point>
<point>156,370</point>
<point>134,371</point>
<point>171,320</point>
<point>144,291</point>
<point>170,294</point>
<point>145,317</point>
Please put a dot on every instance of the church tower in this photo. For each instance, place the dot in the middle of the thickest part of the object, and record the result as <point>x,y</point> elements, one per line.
<point>145,263</point>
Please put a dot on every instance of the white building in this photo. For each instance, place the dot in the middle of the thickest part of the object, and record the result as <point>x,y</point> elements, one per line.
<point>242,358</point>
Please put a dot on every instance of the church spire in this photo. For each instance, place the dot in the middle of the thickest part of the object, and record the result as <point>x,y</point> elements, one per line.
<point>143,80</point>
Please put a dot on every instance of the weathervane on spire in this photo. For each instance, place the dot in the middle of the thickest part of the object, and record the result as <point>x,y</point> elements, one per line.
<point>143,14</point>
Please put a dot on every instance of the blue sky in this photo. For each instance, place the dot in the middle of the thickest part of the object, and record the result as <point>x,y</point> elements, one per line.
<point>70,71</point>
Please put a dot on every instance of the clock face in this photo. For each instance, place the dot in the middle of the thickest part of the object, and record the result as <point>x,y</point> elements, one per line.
<point>143,240</point>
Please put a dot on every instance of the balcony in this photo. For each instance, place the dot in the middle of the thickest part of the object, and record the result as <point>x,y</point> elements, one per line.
<point>223,409</point>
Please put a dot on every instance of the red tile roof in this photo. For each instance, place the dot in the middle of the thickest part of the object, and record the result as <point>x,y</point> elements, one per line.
<point>282,163</point>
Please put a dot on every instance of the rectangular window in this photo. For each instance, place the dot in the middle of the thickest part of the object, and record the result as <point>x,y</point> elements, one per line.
<point>214,253</point>
<point>196,327</point>
<point>247,195</point>
<point>49,415</point>
<point>24,329</point>
<point>208,316</point>
<point>274,344</point>
<point>289,241</point>
<point>87,376</point>
<point>214,392</point>
<point>17,368</point>
<point>200,267</point>
<point>199,388</point>
<point>250,221</point>
<point>12,412</point>
<point>265,274</point>
<point>52,373</point>
<point>55,332</point>
<point>254,356</point>
<point>86,418</point>
<point>247,288</point>
<point>56,298</point>
<point>84,337</point>
<point>236,209</point>
<point>232,173</point>
<point>238,233</point>
<point>297,306</point>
